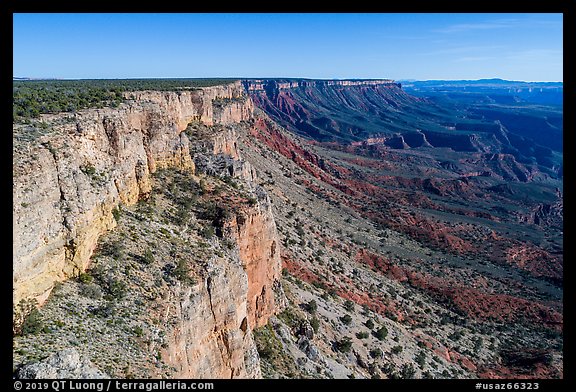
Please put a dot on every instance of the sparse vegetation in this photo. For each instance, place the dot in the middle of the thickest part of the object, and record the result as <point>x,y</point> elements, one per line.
<point>315,323</point>
<point>91,290</point>
<point>113,249</point>
<point>138,331</point>
<point>116,213</point>
<point>182,273</point>
<point>407,371</point>
<point>85,277</point>
<point>346,319</point>
<point>116,289</point>
<point>362,335</point>
<point>290,318</point>
<point>349,305</point>
<point>148,257</point>
<point>420,359</point>
<point>381,333</point>
<point>396,350</point>
<point>179,233</point>
<point>343,345</point>
<point>207,231</point>
<point>33,323</point>
<point>311,306</point>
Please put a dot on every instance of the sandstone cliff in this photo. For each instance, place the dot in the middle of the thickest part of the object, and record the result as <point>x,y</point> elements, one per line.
<point>69,181</point>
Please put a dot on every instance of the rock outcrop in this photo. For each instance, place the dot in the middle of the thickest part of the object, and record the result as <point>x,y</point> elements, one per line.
<point>67,363</point>
<point>212,338</point>
<point>254,229</point>
<point>255,233</point>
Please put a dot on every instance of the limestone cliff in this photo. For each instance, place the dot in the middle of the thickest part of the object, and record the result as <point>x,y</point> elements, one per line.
<point>69,181</point>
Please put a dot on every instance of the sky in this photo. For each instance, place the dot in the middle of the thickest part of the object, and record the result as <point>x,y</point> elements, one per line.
<point>525,47</point>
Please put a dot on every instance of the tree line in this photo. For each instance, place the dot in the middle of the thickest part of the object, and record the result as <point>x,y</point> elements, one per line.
<point>34,97</point>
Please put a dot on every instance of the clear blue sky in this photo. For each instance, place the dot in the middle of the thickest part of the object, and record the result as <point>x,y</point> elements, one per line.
<point>398,46</point>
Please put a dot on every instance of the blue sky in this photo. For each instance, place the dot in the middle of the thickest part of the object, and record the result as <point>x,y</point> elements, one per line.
<point>398,46</point>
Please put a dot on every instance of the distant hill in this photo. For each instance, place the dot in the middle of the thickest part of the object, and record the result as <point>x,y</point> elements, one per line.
<point>542,93</point>
<point>483,82</point>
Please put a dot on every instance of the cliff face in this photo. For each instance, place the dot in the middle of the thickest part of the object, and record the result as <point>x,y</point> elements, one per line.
<point>214,338</point>
<point>211,338</point>
<point>255,233</point>
<point>68,182</point>
<point>253,229</point>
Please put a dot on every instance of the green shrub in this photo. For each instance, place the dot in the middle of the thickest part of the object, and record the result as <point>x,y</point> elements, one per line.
<point>113,249</point>
<point>213,212</point>
<point>362,335</point>
<point>85,277</point>
<point>346,319</point>
<point>228,244</point>
<point>267,344</point>
<point>365,310</point>
<point>33,323</point>
<point>207,231</point>
<point>311,307</point>
<point>138,331</point>
<point>381,333</point>
<point>455,336</point>
<point>116,213</point>
<point>349,305</point>
<point>343,345</point>
<point>420,359</point>
<point>315,323</point>
<point>407,371</point>
<point>181,215</point>
<point>148,257</point>
<point>88,169</point>
<point>182,273</point>
<point>117,288</point>
<point>290,318</point>
<point>106,310</point>
<point>376,353</point>
<point>396,349</point>
<point>369,324</point>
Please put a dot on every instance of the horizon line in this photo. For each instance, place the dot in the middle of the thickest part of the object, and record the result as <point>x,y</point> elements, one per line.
<point>26,78</point>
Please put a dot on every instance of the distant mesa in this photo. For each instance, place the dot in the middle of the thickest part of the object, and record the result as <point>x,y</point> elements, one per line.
<point>253,85</point>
